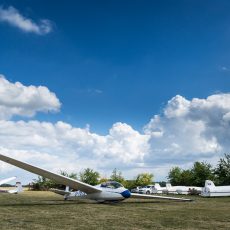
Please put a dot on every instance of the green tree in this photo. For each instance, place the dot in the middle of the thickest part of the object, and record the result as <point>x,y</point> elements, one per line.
<point>129,184</point>
<point>70,175</point>
<point>222,171</point>
<point>186,178</point>
<point>103,179</point>
<point>117,176</point>
<point>174,176</point>
<point>43,183</point>
<point>89,176</point>
<point>143,179</point>
<point>201,171</point>
<point>162,183</point>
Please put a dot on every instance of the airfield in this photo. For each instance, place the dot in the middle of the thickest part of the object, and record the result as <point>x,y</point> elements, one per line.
<point>46,210</point>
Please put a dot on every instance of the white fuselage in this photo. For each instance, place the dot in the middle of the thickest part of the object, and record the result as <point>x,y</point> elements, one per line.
<point>210,190</point>
<point>107,194</point>
<point>216,191</point>
<point>181,189</point>
<point>185,190</point>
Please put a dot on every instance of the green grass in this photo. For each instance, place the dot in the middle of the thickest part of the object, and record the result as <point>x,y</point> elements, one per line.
<point>45,210</point>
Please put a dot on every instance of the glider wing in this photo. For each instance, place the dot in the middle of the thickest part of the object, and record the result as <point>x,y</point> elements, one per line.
<point>144,196</point>
<point>75,184</point>
<point>7,180</point>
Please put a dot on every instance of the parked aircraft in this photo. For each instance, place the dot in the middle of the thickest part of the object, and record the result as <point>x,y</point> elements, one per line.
<point>189,190</point>
<point>18,186</point>
<point>158,189</point>
<point>168,189</point>
<point>175,189</point>
<point>210,190</point>
<point>185,190</point>
<point>110,191</point>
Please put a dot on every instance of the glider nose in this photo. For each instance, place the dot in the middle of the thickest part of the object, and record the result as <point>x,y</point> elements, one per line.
<point>126,194</point>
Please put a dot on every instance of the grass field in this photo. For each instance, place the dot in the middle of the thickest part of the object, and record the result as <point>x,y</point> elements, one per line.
<point>45,210</point>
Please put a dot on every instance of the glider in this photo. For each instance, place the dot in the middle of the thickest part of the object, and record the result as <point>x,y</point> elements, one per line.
<point>210,190</point>
<point>110,191</point>
<point>185,190</point>
<point>12,191</point>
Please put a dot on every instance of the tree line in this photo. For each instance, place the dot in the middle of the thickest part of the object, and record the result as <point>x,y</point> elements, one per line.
<point>92,177</point>
<point>202,171</point>
<point>194,176</point>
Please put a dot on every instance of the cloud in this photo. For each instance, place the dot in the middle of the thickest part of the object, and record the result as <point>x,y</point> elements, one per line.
<point>61,146</point>
<point>185,131</point>
<point>223,69</point>
<point>90,91</point>
<point>94,91</point>
<point>190,130</point>
<point>17,99</point>
<point>122,142</point>
<point>12,16</point>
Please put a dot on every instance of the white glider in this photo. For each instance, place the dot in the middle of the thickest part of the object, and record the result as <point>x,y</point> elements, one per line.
<point>110,191</point>
<point>158,189</point>
<point>12,191</point>
<point>185,190</point>
<point>210,190</point>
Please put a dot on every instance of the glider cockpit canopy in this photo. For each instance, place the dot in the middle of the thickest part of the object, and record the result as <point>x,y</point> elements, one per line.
<point>111,184</point>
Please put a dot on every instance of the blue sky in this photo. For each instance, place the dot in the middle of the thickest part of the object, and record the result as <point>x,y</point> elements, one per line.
<point>118,61</point>
<point>111,61</point>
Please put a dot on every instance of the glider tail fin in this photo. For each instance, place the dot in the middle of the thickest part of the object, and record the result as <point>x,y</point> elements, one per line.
<point>17,190</point>
<point>157,186</point>
<point>168,185</point>
<point>209,183</point>
<point>19,187</point>
<point>67,189</point>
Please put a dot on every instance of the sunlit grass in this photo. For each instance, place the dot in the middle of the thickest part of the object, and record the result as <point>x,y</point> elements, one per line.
<point>45,210</point>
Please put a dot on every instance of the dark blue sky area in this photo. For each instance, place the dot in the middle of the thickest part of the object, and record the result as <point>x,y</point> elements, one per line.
<point>110,61</point>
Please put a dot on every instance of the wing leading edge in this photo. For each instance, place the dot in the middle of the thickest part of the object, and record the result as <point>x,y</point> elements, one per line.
<point>75,184</point>
<point>7,180</point>
<point>144,196</point>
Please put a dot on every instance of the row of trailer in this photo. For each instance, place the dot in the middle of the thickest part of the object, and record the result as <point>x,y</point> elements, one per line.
<point>209,190</point>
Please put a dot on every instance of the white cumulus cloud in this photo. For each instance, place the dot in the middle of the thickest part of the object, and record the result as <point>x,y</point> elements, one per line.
<point>186,131</point>
<point>190,129</point>
<point>13,17</point>
<point>17,99</point>
<point>61,146</point>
